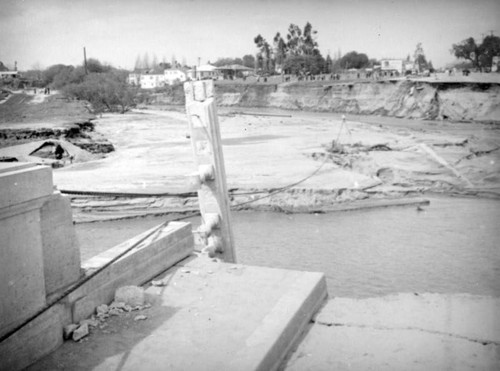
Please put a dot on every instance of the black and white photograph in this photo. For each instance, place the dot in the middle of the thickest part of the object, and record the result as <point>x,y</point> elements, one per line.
<point>240,185</point>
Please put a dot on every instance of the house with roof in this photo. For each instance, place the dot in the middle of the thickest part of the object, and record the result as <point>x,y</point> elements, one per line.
<point>400,66</point>
<point>206,71</point>
<point>232,71</point>
<point>392,65</point>
<point>174,75</point>
<point>156,77</point>
<point>6,74</point>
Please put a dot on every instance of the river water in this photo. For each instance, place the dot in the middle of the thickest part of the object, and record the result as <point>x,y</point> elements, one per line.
<point>452,246</point>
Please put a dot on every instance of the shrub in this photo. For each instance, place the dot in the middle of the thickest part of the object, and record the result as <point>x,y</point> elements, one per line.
<point>106,91</point>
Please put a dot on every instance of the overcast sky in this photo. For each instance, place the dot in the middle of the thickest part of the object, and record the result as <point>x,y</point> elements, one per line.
<point>45,32</point>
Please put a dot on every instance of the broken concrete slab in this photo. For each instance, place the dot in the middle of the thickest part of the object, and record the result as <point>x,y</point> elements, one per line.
<point>403,332</point>
<point>81,332</point>
<point>209,316</point>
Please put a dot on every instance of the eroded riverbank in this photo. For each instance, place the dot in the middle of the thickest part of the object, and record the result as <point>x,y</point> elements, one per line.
<point>276,160</point>
<point>284,163</point>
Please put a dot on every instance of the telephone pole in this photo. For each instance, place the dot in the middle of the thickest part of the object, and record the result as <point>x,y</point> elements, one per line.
<point>85,61</point>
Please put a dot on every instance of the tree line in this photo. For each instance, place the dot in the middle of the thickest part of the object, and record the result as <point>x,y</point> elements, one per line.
<point>104,86</point>
<point>479,55</point>
<point>298,53</point>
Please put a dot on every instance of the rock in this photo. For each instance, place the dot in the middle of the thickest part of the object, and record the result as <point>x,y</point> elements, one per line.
<point>102,309</point>
<point>68,330</point>
<point>117,305</point>
<point>131,295</point>
<point>81,332</point>
<point>115,312</point>
<point>140,317</point>
<point>91,322</point>
<point>102,317</point>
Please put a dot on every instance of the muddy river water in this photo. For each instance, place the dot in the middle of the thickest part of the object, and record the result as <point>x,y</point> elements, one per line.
<point>451,246</point>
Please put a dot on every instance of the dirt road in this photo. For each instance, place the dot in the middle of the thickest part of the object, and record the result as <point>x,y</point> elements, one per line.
<point>25,107</point>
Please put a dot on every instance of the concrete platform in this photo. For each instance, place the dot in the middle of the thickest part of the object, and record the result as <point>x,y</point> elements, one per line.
<point>208,316</point>
<point>403,332</point>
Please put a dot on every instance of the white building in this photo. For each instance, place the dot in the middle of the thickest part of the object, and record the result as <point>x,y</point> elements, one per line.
<point>134,78</point>
<point>205,71</point>
<point>150,79</point>
<point>173,76</point>
<point>495,64</point>
<point>392,65</point>
<point>5,74</point>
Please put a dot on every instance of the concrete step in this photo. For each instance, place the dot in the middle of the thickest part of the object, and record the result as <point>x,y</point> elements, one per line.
<point>208,316</point>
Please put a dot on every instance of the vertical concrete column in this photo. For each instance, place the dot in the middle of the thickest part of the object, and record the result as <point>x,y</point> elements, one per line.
<point>22,287</point>
<point>207,149</point>
<point>61,253</point>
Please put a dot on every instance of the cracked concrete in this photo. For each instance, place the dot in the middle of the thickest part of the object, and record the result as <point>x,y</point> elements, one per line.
<point>411,328</point>
<point>403,332</point>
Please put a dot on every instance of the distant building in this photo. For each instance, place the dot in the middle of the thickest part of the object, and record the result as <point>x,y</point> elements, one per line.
<point>3,67</point>
<point>409,66</point>
<point>206,71</point>
<point>392,65</point>
<point>495,64</point>
<point>151,80</point>
<point>6,74</point>
<point>134,78</point>
<point>173,76</point>
<point>156,78</point>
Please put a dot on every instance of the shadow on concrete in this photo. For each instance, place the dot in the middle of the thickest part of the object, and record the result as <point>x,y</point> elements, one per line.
<point>109,347</point>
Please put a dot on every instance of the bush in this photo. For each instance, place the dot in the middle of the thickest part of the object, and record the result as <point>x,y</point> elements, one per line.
<point>107,91</point>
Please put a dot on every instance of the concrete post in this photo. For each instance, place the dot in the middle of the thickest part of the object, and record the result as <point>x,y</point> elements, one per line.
<point>207,150</point>
<point>24,189</point>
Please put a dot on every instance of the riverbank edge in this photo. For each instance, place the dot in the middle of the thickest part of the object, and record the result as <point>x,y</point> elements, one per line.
<point>113,209</point>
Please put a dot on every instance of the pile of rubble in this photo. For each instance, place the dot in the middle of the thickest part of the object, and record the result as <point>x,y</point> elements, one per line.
<point>127,299</point>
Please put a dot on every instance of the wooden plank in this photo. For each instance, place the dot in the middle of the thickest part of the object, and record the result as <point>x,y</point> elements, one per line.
<point>207,150</point>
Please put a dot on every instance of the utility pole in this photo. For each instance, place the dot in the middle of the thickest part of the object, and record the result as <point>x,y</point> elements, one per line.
<point>85,61</point>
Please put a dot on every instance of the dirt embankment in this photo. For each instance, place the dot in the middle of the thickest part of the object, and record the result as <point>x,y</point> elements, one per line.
<point>28,117</point>
<point>433,100</point>
<point>403,99</point>
<point>81,134</point>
